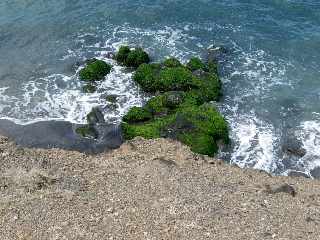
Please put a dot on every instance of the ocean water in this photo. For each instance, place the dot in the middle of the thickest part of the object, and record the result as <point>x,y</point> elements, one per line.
<point>271,74</point>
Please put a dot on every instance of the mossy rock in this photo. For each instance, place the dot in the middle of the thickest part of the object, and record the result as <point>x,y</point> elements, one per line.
<point>199,127</point>
<point>165,103</point>
<point>149,130</point>
<point>172,62</point>
<point>157,105</point>
<point>95,70</point>
<point>89,88</point>
<point>122,54</point>
<point>137,114</point>
<point>208,87</point>
<point>196,64</point>
<point>132,58</point>
<point>147,76</point>
<point>87,131</point>
<point>152,78</point>
<point>180,110</point>
<point>213,67</point>
<point>174,99</point>
<point>136,57</point>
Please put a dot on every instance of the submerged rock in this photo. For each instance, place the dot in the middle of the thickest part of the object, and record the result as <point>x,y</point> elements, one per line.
<point>95,116</point>
<point>89,88</point>
<point>216,53</point>
<point>112,98</point>
<point>293,146</point>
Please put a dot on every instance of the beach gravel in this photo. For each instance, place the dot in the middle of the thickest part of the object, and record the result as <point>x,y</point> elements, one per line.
<point>148,189</point>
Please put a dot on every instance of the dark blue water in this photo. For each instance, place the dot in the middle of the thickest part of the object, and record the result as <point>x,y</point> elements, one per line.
<point>271,75</point>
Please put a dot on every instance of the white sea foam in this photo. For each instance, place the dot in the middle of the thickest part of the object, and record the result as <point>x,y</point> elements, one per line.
<point>309,134</point>
<point>59,97</point>
<point>44,99</point>
<point>254,144</point>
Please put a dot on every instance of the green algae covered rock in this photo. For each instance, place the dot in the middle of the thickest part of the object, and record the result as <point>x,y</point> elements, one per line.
<point>180,109</point>
<point>156,78</point>
<point>200,127</point>
<point>122,54</point>
<point>131,58</point>
<point>95,70</point>
<point>137,114</point>
<point>196,64</point>
<point>152,78</point>
<point>172,62</point>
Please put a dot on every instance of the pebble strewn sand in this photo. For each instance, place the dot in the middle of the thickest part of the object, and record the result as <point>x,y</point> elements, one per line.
<point>148,189</point>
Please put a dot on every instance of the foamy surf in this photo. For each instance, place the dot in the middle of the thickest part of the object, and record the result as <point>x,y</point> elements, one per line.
<point>250,78</point>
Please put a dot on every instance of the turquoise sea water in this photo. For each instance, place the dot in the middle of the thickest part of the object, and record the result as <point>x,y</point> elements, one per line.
<point>271,74</point>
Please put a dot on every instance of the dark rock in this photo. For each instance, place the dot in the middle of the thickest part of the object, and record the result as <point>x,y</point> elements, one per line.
<point>59,134</point>
<point>285,188</point>
<point>216,53</point>
<point>89,88</point>
<point>87,131</point>
<point>200,73</point>
<point>110,55</point>
<point>298,174</point>
<point>293,146</point>
<point>95,116</point>
<point>315,172</point>
<point>112,98</point>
